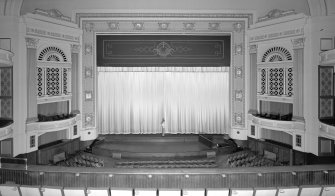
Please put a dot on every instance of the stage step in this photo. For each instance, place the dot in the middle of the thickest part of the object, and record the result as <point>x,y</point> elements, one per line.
<point>153,146</point>
<point>151,138</point>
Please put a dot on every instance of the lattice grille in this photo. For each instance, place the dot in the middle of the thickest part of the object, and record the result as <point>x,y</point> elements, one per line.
<point>263,81</point>
<point>276,81</point>
<point>289,82</point>
<point>65,79</point>
<point>326,81</point>
<point>6,108</point>
<point>6,81</point>
<point>326,108</point>
<point>277,53</point>
<point>52,81</point>
<point>40,82</point>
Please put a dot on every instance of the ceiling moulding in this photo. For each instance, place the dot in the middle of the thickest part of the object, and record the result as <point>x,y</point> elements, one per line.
<point>53,13</point>
<point>171,15</point>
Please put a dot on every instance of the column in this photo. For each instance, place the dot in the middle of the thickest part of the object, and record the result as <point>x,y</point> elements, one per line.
<point>253,79</point>
<point>31,79</point>
<point>298,73</point>
<point>75,49</point>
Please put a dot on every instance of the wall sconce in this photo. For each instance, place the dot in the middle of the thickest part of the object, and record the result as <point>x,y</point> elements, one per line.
<point>41,173</point>
<point>187,176</point>
<point>259,174</point>
<point>77,174</point>
<point>110,175</point>
<point>223,175</point>
<point>294,173</point>
<point>149,176</point>
<point>325,172</point>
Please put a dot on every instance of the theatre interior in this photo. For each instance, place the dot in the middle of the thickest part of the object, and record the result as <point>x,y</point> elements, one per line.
<point>167,98</point>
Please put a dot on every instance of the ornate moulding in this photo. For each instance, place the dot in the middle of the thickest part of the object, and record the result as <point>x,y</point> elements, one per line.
<point>275,13</point>
<point>183,23</point>
<point>327,57</point>
<point>50,126</point>
<point>6,58</point>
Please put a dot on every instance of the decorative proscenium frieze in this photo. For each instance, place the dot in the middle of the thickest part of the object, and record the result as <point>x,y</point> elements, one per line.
<point>75,48</point>
<point>238,72</point>
<point>298,43</point>
<point>238,119</point>
<point>189,26</point>
<point>53,13</point>
<point>138,26</point>
<point>238,50</point>
<point>277,35</point>
<point>275,13</point>
<point>238,27</point>
<point>51,34</point>
<point>239,95</point>
<point>88,26</point>
<point>31,42</point>
<point>253,49</point>
<point>214,26</point>
<point>163,26</point>
<point>113,25</point>
<point>88,49</point>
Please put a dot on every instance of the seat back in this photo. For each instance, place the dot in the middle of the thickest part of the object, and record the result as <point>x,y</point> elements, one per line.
<point>310,190</point>
<point>30,190</point>
<point>9,189</point>
<point>52,191</point>
<point>145,192</point>
<point>193,192</point>
<point>169,192</point>
<point>217,192</point>
<point>242,192</point>
<point>121,192</point>
<point>97,191</point>
<point>73,191</point>
<point>288,191</point>
<point>328,191</point>
<point>265,191</point>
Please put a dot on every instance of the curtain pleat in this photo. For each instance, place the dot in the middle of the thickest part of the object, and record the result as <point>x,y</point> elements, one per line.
<point>188,102</point>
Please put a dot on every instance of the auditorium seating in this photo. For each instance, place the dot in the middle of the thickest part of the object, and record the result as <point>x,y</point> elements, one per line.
<point>265,191</point>
<point>52,191</point>
<point>328,191</point>
<point>11,189</point>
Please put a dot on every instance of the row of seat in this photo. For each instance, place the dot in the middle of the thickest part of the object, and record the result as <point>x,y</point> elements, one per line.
<point>23,190</point>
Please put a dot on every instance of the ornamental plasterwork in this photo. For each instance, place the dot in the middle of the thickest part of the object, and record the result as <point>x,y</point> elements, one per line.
<point>89,26</point>
<point>53,13</point>
<point>238,49</point>
<point>51,34</point>
<point>163,25</point>
<point>138,26</point>
<point>238,119</point>
<point>89,119</point>
<point>75,48</point>
<point>277,35</point>
<point>214,26</point>
<point>253,49</point>
<point>298,43</point>
<point>32,42</point>
<point>238,72</point>
<point>113,25</point>
<point>275,13</point>
<point>88,49</point>
<point>189,26</point>
<point>239,95</point>
<point>238,27</point>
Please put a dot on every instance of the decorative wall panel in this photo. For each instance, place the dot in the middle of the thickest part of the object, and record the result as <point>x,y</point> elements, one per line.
<point>163,50</point>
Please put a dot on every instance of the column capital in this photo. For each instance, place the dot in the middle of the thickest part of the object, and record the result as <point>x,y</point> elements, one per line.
<point>75,48</point>
<point>31,42</point>
<point>253,49</point>
<point>298,43</point>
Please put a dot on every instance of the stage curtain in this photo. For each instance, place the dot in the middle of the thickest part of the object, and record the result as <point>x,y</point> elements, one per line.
<point>188,101</point>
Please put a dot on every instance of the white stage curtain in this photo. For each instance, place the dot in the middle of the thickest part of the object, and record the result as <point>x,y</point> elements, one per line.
<point>188,101</point>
